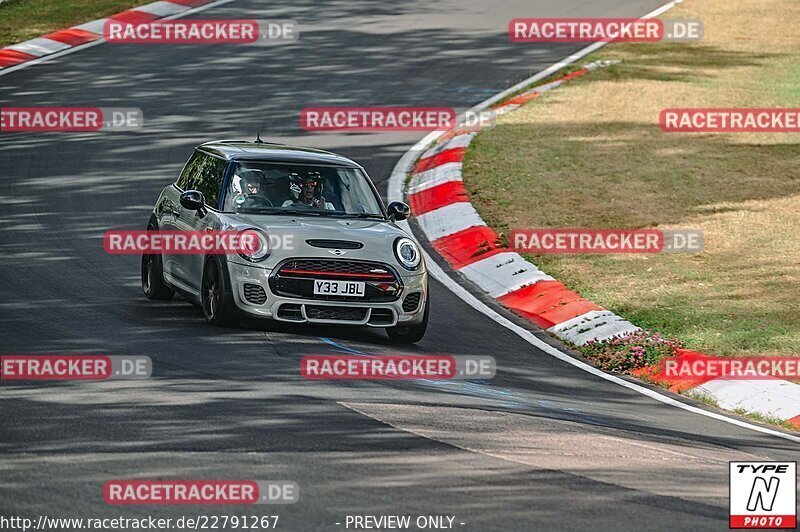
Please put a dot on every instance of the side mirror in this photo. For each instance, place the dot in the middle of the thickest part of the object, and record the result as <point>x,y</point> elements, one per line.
<point>193,200</point>
<point>397,211</point>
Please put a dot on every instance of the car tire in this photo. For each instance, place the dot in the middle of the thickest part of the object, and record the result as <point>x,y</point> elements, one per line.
<point>410,334</point>
<point>153,284</point>
<point>214,300</point>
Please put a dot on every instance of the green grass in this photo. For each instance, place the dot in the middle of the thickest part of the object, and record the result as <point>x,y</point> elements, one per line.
<point>591,154</point>
<point>702,397</point>
<point>21,20</point>
<point>786,87</point>
<point>765,418</point>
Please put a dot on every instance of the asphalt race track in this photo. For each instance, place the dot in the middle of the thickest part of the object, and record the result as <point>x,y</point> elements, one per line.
<point>542,446</point>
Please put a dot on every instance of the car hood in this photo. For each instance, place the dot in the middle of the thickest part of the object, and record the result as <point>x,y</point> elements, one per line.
<point>290,233</point>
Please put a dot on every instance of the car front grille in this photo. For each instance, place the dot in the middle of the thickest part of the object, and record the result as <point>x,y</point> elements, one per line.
<point>333,244</point>
<point>411,302</point>
<point>315,312</point>
<point>307,312</point>
<point>295,278</point>
<point>255,294</point>
<point>338,269</point>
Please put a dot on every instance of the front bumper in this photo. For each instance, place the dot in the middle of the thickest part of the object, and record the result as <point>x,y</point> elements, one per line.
<point>250,286</point>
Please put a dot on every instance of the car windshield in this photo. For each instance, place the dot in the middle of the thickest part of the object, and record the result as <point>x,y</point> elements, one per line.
<point>274,188</point>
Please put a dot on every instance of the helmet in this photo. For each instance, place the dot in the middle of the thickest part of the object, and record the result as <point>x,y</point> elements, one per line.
<point>297,182</point>
<point>252,178</point>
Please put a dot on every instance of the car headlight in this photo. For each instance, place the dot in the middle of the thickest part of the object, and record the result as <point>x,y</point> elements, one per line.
<point>407,253</point>
<point>255,245</point>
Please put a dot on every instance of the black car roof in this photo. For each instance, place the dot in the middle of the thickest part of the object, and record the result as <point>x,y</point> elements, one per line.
<point>234,150</point>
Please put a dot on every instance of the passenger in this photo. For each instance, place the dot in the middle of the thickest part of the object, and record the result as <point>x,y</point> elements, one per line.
<point>307,192</point>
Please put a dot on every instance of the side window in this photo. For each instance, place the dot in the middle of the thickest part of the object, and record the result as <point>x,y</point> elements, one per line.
<point>190,170</point>
<point>209,179</point>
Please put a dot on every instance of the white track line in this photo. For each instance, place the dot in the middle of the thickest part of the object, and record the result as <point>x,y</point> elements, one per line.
<point>395,193</point>
<point>101,40</point>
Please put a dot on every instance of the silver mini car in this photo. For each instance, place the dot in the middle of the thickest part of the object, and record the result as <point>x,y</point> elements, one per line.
<point>330,252</point>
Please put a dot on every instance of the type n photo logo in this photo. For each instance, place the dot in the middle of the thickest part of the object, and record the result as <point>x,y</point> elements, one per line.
<point>763,494</point>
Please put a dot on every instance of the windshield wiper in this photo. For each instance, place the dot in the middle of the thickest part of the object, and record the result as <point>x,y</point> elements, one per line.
<point>357,215</point>
<point>295,211</point>
<point>310,212</point>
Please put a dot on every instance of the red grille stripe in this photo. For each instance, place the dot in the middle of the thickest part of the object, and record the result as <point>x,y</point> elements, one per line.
<point>338,274</point>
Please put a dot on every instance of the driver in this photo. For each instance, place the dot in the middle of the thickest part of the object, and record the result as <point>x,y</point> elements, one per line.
<point>252,195</point>
<point>307,191</point>
<point>252,186</point>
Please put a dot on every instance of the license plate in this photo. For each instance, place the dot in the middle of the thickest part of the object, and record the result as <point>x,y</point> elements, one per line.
<point>338,288</point>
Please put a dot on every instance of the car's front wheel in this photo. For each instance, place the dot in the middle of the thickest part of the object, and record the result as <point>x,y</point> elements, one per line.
<point>216,307</point>
<point>409,334</point>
